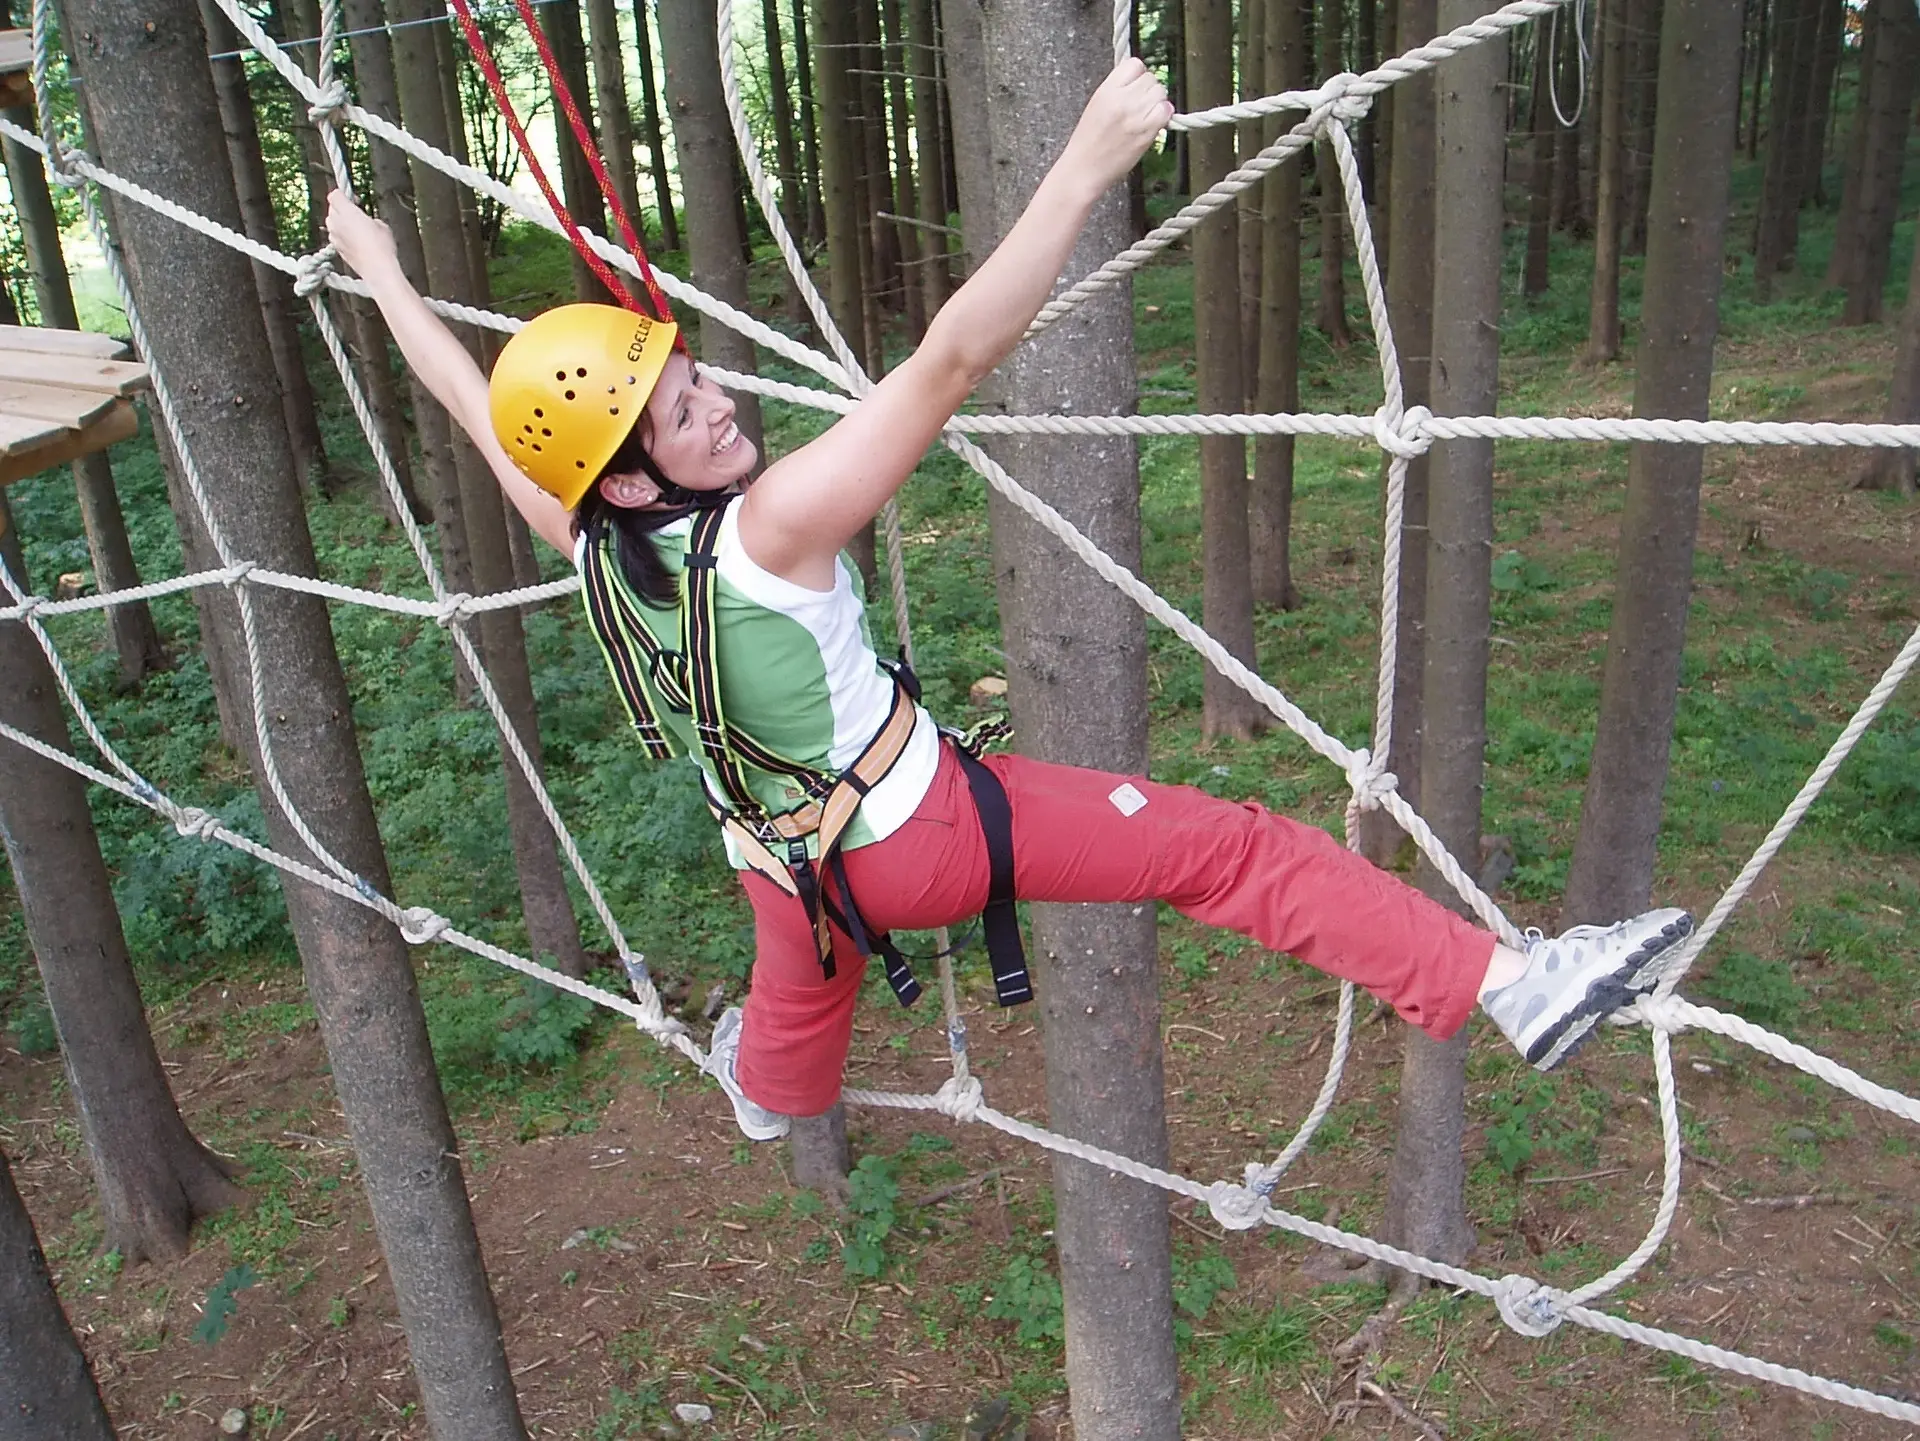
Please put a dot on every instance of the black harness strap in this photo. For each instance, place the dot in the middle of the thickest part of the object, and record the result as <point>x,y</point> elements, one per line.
<point>1011,982</point>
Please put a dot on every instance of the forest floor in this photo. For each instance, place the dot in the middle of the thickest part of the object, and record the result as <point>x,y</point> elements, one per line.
<point>644,1257</point>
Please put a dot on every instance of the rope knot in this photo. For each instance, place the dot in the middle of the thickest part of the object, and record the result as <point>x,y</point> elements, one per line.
<point>1236,1208</point>
<point>960,1100</point>
<point>1406,437</point>
<point>196,824</point>
<point>421,924</point>
<point>310,272</point>
<point>1527,1306</point>
<point>453,608</point>
<point>1341,104</point>
<point>325,110</point>
<point>28,607</point>
<point>58,154</point>
<point>237,574</point>
<point>1371,784</point>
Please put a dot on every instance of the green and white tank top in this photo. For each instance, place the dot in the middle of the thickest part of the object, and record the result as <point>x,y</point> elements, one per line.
<point>798,673</point>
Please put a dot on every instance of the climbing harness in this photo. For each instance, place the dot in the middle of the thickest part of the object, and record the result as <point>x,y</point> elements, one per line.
<point>797,849</point>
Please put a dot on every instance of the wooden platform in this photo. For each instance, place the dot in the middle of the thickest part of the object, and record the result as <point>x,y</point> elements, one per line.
<point>63,394</point>
<point>16,67</point>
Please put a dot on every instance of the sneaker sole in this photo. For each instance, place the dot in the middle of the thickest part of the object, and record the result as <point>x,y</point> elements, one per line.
<point>1637,975</point>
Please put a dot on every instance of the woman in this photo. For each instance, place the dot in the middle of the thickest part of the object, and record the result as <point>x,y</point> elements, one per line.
<point>735,633</point>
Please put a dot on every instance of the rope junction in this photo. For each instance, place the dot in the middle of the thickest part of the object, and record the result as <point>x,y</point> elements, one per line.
<point>1527,1305</point>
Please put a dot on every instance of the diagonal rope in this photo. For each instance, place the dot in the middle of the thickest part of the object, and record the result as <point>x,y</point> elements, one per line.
<point>1524,1304</point>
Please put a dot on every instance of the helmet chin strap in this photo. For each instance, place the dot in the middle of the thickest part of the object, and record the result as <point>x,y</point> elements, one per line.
<point>676,495</point>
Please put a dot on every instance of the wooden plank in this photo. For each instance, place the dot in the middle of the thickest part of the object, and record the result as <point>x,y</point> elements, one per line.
<point>16,50</point>
<point>118,424</point>
<point>76,372</point>
<point>23,432</point>
<point>72,408</point>
<point>61,342</point>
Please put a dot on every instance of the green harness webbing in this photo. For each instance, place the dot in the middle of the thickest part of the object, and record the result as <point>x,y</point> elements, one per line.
<point>775,844</point>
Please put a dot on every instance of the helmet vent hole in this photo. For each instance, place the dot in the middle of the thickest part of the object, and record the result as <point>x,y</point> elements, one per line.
<point>569,395</point>
<point>559,375</point>
<point>528,429</point>
<point>633,380</point>
<point>536,445</point>
<point>538,415</point>
<point>519,440</point>
<point>581,372</point>
<point>613,410</point>
<point>546,432</point>
<point>579,465</point>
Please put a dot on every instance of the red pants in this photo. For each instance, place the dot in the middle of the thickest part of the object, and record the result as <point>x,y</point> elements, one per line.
<point>1291,887</point>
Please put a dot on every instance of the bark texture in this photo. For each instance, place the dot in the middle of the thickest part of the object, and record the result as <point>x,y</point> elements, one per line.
<point>1227,592</point>
<point>1077,666</point>
<point>1603,306</point>
<point>1894,469</point>
<point>145,71</point>
<point>651,130</point>
<point>1426,1200</point>
<point>1270,501</point>
<point>47,1391</point>
<point>1886,119</point>
<point>1613,856</point>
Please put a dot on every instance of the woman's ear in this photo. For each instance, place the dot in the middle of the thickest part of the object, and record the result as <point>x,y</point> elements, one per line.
<point>629,492</point>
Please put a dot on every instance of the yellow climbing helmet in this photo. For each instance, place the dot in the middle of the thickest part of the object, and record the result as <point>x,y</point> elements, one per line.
<point>569,386</point>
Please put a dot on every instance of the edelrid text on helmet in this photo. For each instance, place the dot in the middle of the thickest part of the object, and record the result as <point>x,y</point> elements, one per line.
<point>567,389</point>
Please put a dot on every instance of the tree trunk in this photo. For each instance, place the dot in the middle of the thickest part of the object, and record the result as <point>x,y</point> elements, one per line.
<point>47,1390</point>
<point>885,290</point>
<point>1826,65</point>
<point>976,195</point>
<point>906,196</point>
<point>1567,215</point>
<point>1330,312</point>
<point>1227,602</point>
<point>1776,226</point>
<point>834,39</point>
<point>1613,856</point>
<point>703,146</point>
<point>821,1157</point>
<point>793,204</point>
<point>136,640</point>
<point>610,94</point>
<point>1643,96</point>
<point>1846,226</point>
<point>1426,1196</point>
<point>1410,301</point>
<point>300,21</point>
<point>577,185</point>
<point>936,281</point>
<point>393,188</point>
<point>1380,131</point>
<point>1270,501</point>
<point>1077,663</point>
<point>1894,469</point>
<point>1886,118</point>
<point>553,933</point>
<point>1540,183</point>
<point>650,126</point>
<point>155,1180</point>
<point>274,290</point>
<point>1763,33</point>
<point>809,129</point>
<point>1249,205</point>
<point>1603,310</point>
<point>1175,22</point>
<point>152,103</point>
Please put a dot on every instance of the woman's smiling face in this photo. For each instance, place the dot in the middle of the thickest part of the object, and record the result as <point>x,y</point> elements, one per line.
<point>691,432</point>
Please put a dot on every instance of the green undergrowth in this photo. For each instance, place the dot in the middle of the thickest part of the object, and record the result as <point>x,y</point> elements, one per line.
<point>1785,635</point>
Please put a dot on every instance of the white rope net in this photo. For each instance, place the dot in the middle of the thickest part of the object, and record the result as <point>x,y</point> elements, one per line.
<point>1527,1305</point>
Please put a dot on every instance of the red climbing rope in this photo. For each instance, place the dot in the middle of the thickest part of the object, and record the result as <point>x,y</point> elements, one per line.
<point>483,56</point>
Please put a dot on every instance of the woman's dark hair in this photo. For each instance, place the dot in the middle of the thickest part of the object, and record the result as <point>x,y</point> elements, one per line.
<point>632,529</point>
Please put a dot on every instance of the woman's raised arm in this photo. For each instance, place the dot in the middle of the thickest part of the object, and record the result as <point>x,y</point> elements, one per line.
<point>440,360</point>
<point>809,504</point>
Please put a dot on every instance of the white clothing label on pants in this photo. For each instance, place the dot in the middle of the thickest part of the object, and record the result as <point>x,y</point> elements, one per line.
<point>1126,799</point>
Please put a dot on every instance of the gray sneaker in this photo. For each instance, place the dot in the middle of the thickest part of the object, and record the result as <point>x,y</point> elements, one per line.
<point>756,1122</point>
<point>1574,980</point>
